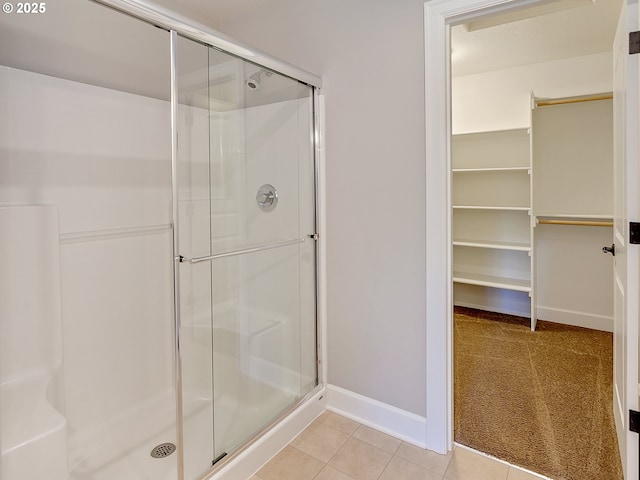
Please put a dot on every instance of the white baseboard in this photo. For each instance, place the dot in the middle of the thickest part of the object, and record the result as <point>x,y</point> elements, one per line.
<point>249,461</point>
<point>386,418</point>
<point>575,318</point>
<point>556,315</point>
<point>492,308</point>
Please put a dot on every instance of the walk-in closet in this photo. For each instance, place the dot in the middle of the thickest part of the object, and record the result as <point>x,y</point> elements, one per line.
<point>532,199</point>
<point>532,210</point>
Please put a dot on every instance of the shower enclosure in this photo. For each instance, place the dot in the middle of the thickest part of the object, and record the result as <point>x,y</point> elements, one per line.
<point>158,289</point>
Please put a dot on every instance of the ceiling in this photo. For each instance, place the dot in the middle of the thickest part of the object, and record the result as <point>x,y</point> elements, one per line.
<point>211,12</point>
<point>566,32</point>
<point>555,30</point>
<point>56,44</point>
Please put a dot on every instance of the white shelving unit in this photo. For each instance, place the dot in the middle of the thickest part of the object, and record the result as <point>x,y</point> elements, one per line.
<point>572,147</point>
<point>492,224</point>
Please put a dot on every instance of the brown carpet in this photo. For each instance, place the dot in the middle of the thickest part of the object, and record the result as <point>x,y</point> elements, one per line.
<point>541,400</point>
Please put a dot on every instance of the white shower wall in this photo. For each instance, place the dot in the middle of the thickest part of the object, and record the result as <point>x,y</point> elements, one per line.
<point>31,345</point>
<point>279,152</point>
<point>102,158</point>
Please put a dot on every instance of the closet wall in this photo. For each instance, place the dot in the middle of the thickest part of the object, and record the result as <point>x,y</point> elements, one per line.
<point>572,276</point>
<point>573,185</point>
<point>499,100</point>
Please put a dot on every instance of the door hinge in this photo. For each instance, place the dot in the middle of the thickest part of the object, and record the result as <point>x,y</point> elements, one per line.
<point>634,43</point>
<point>634,421</point>
<point>634,233</point>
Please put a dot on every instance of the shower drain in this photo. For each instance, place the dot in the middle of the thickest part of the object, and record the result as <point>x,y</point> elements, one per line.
<point>163,450</point>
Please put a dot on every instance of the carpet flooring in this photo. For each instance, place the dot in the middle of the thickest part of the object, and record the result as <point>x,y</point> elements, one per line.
<point>541,400</point>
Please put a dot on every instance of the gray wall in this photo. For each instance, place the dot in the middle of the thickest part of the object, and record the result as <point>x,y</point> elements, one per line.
<point>370,54</point>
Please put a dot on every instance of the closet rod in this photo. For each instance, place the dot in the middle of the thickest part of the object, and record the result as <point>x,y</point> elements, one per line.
<point>563,101</point>
<point>582,223</point>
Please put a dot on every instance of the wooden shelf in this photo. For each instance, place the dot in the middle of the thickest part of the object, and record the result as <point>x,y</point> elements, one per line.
<point>491,198</point>
<point>488,207</point>
<point>492,169</point>
<point>482,151</point>
<point>501,132</point>
<point>520,247</point>
<point>514,284</point>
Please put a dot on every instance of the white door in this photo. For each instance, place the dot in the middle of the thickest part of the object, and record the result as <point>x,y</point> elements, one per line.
<point>625,261</point>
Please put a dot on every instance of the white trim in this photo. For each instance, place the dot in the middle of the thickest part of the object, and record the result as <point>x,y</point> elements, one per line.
<point>576,318</point>
<point>439,407</point>
<point>506,311</point>
<point>385,418</point>
<point>322,239</point>
<point>264,449</point>
<point>438,15</point>
<point>555,315</point>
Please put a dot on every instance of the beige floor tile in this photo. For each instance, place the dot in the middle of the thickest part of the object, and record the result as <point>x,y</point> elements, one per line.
<point>330,473</point>
<point>401,469</point>
<point>378,439</point>
<point>338,422</point>
<point>432,461</point>
<point>468,465</point>
<point>320,441</point>
<point>360,460</point>
<point>291,464</point>
<point>515,474</point>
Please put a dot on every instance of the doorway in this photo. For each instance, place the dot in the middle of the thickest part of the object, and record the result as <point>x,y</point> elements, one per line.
<point>440,16</point>
<point>520,396</point>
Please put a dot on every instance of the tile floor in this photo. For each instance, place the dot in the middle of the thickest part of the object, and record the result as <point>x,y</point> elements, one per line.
<point>336,448</point>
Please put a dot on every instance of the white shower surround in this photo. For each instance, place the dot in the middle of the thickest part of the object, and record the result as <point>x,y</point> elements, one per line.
<point>112,232</point>
<point>110,189</point>
<point>30,344</point>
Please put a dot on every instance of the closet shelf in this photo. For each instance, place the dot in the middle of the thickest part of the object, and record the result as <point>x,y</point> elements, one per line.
<point>499,132</point>
<point>491,178</point>
<point>516,246</point>
<point>492,169</point>
<point>488,207</point>
<point>515,284</point>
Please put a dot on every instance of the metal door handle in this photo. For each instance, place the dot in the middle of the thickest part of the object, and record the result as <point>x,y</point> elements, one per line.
<point>611,249</point>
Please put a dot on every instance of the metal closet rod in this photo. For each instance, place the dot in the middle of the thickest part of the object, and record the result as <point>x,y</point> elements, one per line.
<point>583,223</point>
<point>563,101</point>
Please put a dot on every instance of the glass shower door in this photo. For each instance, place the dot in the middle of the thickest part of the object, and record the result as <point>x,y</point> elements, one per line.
<point>247,223</point>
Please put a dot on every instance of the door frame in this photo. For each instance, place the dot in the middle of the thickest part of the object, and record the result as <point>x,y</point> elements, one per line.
<point>438,16</point>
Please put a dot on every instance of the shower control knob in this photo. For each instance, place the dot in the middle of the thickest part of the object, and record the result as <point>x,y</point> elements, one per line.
<point>267,197</point>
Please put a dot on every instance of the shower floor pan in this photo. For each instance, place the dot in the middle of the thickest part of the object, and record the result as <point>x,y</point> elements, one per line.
<point>122,449</point>
<point>126,455</point>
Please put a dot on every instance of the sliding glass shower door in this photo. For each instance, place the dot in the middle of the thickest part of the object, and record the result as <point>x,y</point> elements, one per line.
<point>246,198</point>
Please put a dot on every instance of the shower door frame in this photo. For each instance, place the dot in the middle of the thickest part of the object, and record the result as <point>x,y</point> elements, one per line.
<point>177,24</point>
